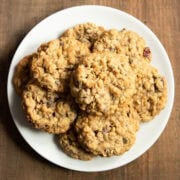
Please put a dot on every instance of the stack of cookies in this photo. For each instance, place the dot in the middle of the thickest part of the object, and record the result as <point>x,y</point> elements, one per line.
<point>91,87</point>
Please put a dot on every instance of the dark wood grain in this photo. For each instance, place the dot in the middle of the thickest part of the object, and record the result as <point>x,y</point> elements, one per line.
<point>19,161</point>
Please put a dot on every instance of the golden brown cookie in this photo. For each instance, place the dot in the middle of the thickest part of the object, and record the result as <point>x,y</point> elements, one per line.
<point>101,82</point>
<point>107,135</point>
<point>87,33</point>
<point>109,75</point>
<point>48,110</point>
<point>55,61</point>
<point>151,95</point>
<point>124,42</point>
<point>22,74</point>
<point>69,144</point>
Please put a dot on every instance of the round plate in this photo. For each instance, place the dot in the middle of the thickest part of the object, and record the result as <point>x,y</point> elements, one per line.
<point>52,27</point>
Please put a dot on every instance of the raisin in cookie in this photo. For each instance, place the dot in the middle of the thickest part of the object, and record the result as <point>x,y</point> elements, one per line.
<point>125,42</point>
<point>101,82</point>
<point>151,95</point>
<point>107,135</point>
<point>69,144</point>
<point>22,74</point>
<point>47,110</point>
<point>87,33</point>
<point>55,61</point>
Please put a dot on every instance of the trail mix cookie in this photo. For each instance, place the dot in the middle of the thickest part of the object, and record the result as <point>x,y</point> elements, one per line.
<point>151,95</point>
<point>107,135</point>
<point>109,75</point>
<point>22,74</point>
<point>87,33</point>
<point>101,82</point>
<point>69,144</point>
<point>55,61</point>
<point>125,42</point>
<point>47,110</point>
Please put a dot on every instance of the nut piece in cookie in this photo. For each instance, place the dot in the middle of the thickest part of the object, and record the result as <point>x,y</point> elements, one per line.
<point>69,144</point>
<point>107,135</point>
<point>87,33</point>
<point>47,110</point>
<point>101,82</point>
<point>22,74</point>
<point>151,95</point>
<point>55,61</point>
<point>124,42</point>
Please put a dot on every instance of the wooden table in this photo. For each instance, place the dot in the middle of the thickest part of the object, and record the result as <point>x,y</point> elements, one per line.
<point>19,161</point>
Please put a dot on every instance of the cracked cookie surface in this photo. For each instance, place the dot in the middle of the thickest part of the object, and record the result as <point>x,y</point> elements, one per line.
<point>87,33</point>
<point>47,110</point>
<point>124,42</point>
<point>22,74</point>
<point>101,82</point>
<point>69,144</point>
<point>107,135</point>
<point>55,61</point>
<point>151,95</point>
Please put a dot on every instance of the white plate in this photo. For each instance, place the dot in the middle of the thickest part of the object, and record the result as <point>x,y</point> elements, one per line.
<point>51,28</point>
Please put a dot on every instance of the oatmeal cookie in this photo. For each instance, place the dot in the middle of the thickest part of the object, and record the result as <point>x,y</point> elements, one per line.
<point>55,61</point>
<point>107,135</point>
<point>22,74</point>
<point>87,33</point>
<point>47,110</point>
<point>151,95</point>
<point>101,82</point>
<point>125,42</point>
<point>69,144</point>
